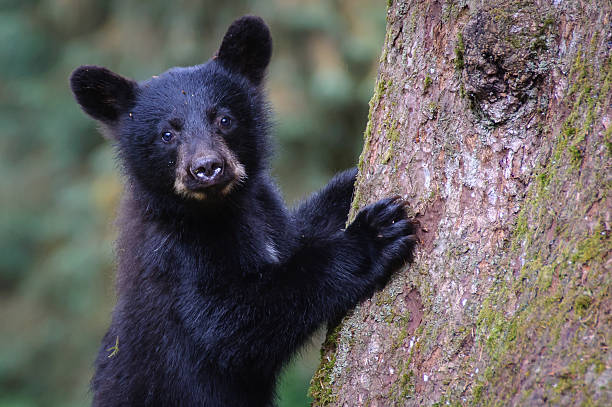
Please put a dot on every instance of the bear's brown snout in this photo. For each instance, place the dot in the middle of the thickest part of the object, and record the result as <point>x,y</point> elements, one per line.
<point>207,169</point>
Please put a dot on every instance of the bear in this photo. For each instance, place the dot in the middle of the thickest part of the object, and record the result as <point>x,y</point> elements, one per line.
<point>219,283</point>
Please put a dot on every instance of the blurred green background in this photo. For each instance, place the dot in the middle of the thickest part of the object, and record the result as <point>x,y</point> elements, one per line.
<point>59,183</point>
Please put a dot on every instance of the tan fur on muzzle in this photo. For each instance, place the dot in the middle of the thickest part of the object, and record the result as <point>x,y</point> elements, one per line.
<point>231,164</point>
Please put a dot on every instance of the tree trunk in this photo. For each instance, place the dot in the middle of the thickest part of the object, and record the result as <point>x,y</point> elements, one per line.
<point>493,119</point>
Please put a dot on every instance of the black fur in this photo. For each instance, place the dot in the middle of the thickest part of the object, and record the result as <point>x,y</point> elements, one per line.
<point>217,291</point>
<point>103,94</point>
<point>247,48</point>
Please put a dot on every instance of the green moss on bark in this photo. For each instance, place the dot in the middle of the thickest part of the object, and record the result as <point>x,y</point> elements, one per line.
<point>459,51</point>
<point>534,328</point>
<point>320,384</point>
<point>560,287</point>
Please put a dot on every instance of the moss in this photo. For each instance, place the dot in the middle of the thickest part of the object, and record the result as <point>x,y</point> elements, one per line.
<point>550,287</point>
<point>356,204</point>
<point>582,304</point>
<point>539,40</point>
<point>367,136</point>
<point>543,316</point>
<point>427,83</point>
<point>393,134</point>
<point>405,386</point>
<point>403,322</point>
<point>462,93</point>
<point>608,140</point>
<point>599,366</point>
<point>521,36</point>
<point>459,52</point>
<point>477,393</point>
<point>379,90</point>
<point>545,277</point>
<point>575,156</point>
<point>382,85</point>
<point>500,331</point>
<point>589,100</point>
<point>320,384</point>
<point>550,303</point>
<point>451,10</point>
<point>521,227</point>
<point>543,180</point>
<point>593,247</point>
<point>605,87</point>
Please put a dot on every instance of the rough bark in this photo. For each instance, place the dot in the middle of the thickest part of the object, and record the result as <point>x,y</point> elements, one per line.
<point>494,120</point>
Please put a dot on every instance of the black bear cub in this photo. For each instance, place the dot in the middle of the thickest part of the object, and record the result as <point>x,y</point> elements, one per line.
<point>218,282</point>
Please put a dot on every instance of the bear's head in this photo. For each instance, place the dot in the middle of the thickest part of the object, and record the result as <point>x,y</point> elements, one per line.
<point>196,133</point>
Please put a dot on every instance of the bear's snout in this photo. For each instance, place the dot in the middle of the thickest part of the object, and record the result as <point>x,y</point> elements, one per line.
<point>207,169</point>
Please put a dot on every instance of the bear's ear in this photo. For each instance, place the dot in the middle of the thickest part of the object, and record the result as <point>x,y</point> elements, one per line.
<point>102,94</point>
<point>247,48</point>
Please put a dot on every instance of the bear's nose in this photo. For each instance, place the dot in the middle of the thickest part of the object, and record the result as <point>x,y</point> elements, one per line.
<point>206,169</point>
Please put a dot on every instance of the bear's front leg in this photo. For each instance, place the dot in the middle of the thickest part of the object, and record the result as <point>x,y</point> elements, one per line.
<point>329,274</point>
<point>326,211</point>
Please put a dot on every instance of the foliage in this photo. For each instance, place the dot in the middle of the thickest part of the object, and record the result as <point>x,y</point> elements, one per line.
<point>60,186</point>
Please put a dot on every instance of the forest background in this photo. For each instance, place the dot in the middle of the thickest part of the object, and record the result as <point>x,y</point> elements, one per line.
<point>60,184</point>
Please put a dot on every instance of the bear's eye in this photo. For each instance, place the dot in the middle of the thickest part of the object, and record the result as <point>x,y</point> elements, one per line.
<point>225,122</point>
<point>166,136</point>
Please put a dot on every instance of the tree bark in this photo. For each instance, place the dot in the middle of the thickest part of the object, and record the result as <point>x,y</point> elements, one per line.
<point>493,119</point>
